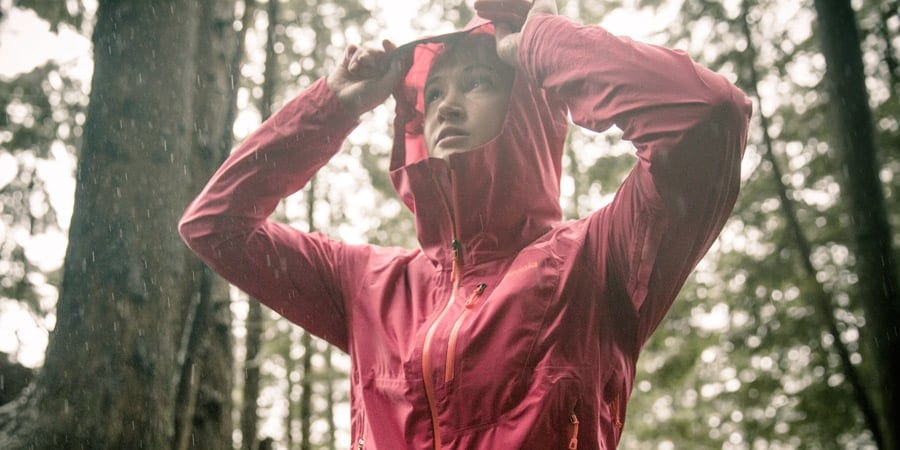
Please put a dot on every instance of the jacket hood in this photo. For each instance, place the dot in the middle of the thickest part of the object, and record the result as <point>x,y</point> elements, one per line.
<point>495,199</point>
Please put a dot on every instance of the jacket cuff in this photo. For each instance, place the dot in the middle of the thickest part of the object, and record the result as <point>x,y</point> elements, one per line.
<point>334,113</point>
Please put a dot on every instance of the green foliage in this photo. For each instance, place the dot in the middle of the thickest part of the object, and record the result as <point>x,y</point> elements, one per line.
<point>766,375</point>
<point>56,12</point>
<point>44,108</point>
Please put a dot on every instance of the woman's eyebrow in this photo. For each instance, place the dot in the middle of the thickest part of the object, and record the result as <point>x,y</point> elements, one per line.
<point>467,69</point>
<point>476,66</point>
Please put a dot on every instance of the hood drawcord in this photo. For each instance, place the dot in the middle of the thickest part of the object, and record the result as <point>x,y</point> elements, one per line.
<point>457,250</point>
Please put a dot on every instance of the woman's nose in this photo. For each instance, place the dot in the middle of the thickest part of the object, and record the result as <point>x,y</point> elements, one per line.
<point>451,107</point>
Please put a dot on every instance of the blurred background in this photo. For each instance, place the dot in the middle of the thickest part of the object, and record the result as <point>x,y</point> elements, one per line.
<point>117,112</point>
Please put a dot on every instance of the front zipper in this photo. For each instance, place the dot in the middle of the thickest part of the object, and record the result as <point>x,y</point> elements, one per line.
<point>457,250</point>
<point>454,332</point>
<point>426,360</point>
<point>573,431</point>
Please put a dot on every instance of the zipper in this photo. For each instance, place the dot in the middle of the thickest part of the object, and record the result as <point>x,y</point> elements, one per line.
<point>360,444</point>
<point>573,431</point>
<point>454,332</point>
<point>455,276</point>
<point>426,361</point>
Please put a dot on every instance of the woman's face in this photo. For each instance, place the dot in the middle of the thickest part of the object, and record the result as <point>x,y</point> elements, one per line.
<point>466,98</point>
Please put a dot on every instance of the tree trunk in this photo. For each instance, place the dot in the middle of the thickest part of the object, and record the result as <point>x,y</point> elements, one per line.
<point>329,398</point>
<point>108,376</point>
<point>888,12</point>
<point>249,413</point>
<point>203,408</point>
<point>821,301</point>
<point>289,367</point>
<point>306,343</point>
<point>862,188</point>
<point>306,384</point>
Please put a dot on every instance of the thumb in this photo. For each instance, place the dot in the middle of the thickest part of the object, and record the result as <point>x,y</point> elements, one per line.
<point>397,68</point>
<point>543,7</point>
<point>348,54</point>
<point>400,60</point>
<point>507,44</point>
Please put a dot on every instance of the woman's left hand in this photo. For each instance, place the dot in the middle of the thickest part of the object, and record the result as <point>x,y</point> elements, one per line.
<point>507,40</point>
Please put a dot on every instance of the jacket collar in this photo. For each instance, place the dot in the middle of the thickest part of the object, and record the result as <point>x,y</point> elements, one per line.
<point>493,200</point>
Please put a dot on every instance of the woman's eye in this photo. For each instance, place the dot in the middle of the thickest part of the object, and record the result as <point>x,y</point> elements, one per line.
<point>432,95</point>
<point>482,81</point>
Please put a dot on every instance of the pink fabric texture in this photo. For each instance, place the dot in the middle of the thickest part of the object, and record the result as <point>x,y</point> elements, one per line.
<point>508,325</point>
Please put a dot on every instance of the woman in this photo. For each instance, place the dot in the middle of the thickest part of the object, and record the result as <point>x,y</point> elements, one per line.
<point>508,328</point>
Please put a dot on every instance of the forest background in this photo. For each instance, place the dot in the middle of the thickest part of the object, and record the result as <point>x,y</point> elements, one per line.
<point>114,336</point>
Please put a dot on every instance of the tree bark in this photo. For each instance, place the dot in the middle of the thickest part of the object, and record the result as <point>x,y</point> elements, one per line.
<point>887,12</point>
<point>108,376</point>
<point>203,408</point>
<point>306,381</point>
<point>249,413</point>
<point>306,384</point>
<point>862,189</point>
<point>289,367</point>
<point>329,398</point>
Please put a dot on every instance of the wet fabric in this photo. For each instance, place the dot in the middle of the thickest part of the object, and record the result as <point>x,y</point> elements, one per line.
<point>508,328</point>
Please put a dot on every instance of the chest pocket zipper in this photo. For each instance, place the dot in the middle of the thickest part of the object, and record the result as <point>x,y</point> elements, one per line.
<point>454,332</point>
<point>614,411</point>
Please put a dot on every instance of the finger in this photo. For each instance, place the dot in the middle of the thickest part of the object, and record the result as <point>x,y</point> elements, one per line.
<point>507,42</point>
<point>512,11</point>
<point>401,60</point>
<point>543,7</point>
<point>398,65</point>
<point>363,62</point>
<point>373,63</point>
<point>348,55</point>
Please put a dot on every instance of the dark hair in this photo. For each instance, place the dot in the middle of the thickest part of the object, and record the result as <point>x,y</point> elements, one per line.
<point>471,46</point>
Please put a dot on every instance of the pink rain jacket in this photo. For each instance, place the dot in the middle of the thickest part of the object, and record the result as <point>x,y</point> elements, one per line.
<point>508,328</point>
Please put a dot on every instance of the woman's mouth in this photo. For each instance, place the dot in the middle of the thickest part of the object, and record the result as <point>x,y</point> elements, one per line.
<point>449,134</point>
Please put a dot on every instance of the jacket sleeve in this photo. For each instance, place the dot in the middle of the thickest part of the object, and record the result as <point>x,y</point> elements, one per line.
<point>689,126</point>
<point>295,274</point>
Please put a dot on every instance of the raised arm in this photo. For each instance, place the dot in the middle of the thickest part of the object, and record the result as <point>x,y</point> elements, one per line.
<point>227,225</point>
<point>688,125</point>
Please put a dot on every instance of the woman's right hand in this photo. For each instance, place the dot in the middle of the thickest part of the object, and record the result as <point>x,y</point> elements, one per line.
<point>366,77</point>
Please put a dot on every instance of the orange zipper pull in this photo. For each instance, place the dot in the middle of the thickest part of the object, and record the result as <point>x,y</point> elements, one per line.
<point>573,433</point>
<point>615,412</point>
<point>470,302</point>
